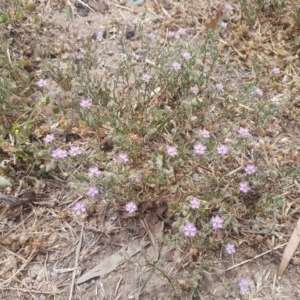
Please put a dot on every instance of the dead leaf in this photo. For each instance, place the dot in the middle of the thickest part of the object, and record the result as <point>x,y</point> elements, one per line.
<point>111,263</point>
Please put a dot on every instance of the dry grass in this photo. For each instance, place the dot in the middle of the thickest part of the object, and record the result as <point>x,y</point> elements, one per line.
<point>45,246</point>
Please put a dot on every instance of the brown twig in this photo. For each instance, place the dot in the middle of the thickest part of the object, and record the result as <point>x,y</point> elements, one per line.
<point>255,257</point>
<point>76,264</point>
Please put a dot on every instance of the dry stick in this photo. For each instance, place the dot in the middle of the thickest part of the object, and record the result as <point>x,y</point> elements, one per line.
<point>31,290</point>
<point>120,6</point>
<point>255,257</point>
<point>76,264</point>
<point>118,285</point>
<point>86,5</point>
<point>13,253</point>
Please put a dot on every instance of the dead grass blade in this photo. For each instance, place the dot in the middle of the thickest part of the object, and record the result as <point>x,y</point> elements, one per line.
<point>111,263</point>
<point>255,257</point>
<point>76,264</point>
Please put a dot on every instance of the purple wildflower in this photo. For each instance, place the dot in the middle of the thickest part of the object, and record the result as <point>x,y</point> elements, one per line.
<point>194,89</point>
<point>75,150</point>
<point>258,92</point>
<point>194,203</point>
<point>92,191</point>
<point>152,36</point>
<point>181,32</point>
<point>85,103</point>
<point>146,77</point>
<point>199,148</point>
<point>42,83</point>
<point>230,248</point>
<point>217,222</point>
<point>93,172</point>
<point>186,55</point>
<point>176,65</point>
<point>255,144</point>
<point>131,207</point>
<point>250,169</point>
<point>220,87</point>
<point>244,285</point>
<point>49,138</point>
<point>189,230</point>
<point>223,150</point>
<point>244,187</point>
<point>77,55</point>
<point>223,24</point>
<point>276,70</point>
<point>171,34</point>
<point>228,9</point>
<point>172,151</point>
<point>123,158</point>
<point>59,153</point>
<point>204,133</point>
<point>79,208</point>
<point>244,132</point>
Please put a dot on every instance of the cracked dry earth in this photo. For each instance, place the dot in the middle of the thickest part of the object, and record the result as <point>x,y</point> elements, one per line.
<point>154,270</point>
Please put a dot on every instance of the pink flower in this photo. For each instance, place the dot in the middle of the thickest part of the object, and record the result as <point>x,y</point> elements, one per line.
<point>49,138</point>
<point>194,89</point>
<point>131,207</point>
<point>186,55</point>
<point>79,208</point>
<point>276,70</point>
<point>59,153</point>
<point>172,151</point>
<point>228,9</point>
<point>194,203</point>
<point>244,187</point>
<point>176,66</point>
<point>181,32</point>
<point>171,34</point>
<point>199,148</point>
<point>258,92</point>
<point>86,103</point>
<point>244,285</point>
<point>42,83</point>
<point>230,248</point>
<point>93,172</point>
<point>146,77</point>
<point>75,150</point>
<point>217,222</point>
<point>152,36</point>
<point>77,55</point>
<point>220,87</point>
<point>92,191</point>
<point>223,150</point>
<point>244,132</point>
<point>123,158</point>
<point>189,230</point>
<point>204,133</point>
<point>250,169</point>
